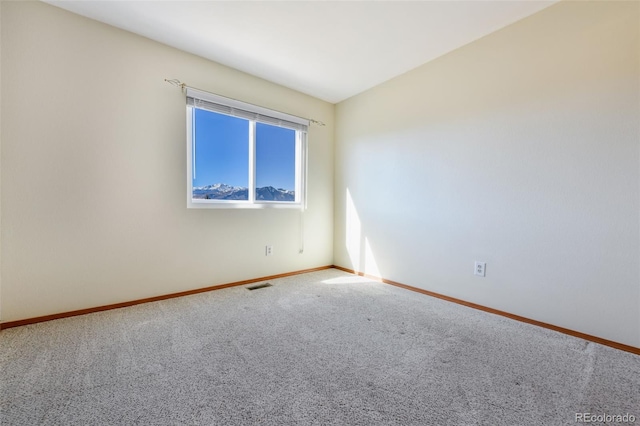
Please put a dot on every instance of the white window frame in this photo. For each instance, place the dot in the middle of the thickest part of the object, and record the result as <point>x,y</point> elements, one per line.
<point>253,114</point>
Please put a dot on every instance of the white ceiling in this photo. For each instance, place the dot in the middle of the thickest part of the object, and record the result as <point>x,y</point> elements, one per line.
<point>328,49</point>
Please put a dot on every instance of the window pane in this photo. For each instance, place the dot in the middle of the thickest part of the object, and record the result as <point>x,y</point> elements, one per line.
<point>221,152</point>
<point>275,163</point>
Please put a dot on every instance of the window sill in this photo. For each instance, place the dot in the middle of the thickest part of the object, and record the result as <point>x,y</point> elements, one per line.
<point>242,205</point>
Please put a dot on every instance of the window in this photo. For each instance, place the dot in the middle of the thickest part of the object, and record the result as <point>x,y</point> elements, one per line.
<point>243,156</point>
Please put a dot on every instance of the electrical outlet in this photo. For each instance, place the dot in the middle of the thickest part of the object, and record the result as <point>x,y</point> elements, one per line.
<point>480,269</point>
<point>268,250</point>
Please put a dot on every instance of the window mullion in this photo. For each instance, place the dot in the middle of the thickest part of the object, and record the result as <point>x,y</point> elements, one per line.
<point>298,168</point>
<point>252,161</point>
<point>302,178</point>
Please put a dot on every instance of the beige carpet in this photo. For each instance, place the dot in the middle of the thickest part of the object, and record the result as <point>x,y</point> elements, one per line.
<point>324,348</point>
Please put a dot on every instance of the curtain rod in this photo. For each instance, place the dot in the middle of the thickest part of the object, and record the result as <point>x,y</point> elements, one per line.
<point>183,87</point>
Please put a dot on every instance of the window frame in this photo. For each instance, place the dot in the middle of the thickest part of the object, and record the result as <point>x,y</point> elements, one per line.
<point>253,114</point>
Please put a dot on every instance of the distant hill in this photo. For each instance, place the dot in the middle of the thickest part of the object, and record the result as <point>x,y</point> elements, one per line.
<point>221,191</point>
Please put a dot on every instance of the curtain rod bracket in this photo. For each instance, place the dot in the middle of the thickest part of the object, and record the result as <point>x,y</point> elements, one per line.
<point>177,83</point>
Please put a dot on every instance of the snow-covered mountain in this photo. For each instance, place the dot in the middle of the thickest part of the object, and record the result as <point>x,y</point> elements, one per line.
<point>219,187</point>
<point>274,194</point>
<point>221,191</point>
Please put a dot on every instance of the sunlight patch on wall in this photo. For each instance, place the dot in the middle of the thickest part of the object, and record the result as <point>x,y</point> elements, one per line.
<point>370,266</point>
<point>353,233</point>
<point>358,246</point>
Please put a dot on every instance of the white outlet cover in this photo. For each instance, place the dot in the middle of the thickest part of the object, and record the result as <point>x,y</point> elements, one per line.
<point>480,269</point>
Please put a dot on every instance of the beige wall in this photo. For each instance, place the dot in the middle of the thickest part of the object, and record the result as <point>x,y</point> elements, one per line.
<point>94,171</point>
<point>521,150</point>
<point>1,1</point>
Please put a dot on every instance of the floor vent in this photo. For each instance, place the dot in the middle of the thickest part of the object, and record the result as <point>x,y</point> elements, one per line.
<point>259,286</point>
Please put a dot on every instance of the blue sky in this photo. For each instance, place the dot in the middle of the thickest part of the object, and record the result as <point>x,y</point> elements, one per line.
<point>222,149</point>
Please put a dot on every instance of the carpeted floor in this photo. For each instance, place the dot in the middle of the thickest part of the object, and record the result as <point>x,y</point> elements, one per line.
<point>324,348</point>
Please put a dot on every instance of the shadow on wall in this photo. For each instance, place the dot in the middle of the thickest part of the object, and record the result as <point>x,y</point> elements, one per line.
<point>358,247</point>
